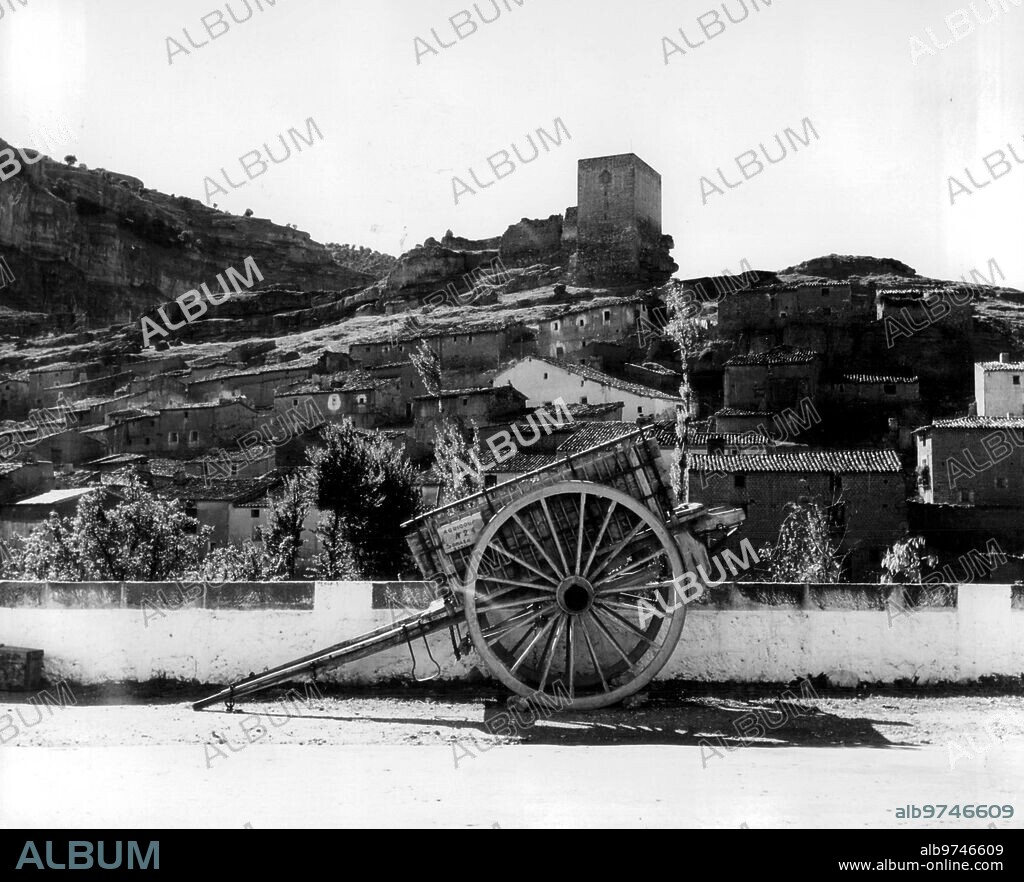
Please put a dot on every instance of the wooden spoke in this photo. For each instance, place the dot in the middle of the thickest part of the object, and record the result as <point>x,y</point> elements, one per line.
<point>548,655</point>
<point>539,547</point>
<point>511,624</point>
<point>540,636</point>
<point>608,636</point>
<point>640,635</point>
<point>523,563</point>
<point>570,657</point>
<point>516,604</point>
<point>548,589</point>
<point>554,537</point>
<point>630,575</point>
<point>579,540</point>
<point>618,550</point>
<point>593,654</point>
<point>600,535</point>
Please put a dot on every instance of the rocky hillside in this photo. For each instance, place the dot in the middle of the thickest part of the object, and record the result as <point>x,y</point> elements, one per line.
<point>91,247</point>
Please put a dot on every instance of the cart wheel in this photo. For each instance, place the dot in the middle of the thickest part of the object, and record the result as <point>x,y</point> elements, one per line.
<point>569,593</point>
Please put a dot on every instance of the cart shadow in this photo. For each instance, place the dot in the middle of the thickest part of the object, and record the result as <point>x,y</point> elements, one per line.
<point>714,725</point>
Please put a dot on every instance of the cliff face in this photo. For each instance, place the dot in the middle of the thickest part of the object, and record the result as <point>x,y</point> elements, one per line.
<point>96,247</point>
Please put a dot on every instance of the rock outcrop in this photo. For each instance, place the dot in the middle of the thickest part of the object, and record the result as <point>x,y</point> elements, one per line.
<point>92,248</point>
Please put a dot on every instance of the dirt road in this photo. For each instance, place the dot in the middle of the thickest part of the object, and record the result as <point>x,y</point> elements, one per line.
<point>712,761</point>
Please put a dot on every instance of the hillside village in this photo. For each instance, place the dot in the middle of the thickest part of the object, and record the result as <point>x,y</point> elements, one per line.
<point>893,399</point>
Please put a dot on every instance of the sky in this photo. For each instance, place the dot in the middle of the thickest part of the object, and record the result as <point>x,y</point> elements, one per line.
<point>893,119</point>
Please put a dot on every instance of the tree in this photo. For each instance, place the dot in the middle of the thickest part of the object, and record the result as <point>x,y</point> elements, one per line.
<point>334,562</point>
<point>457,461</point>
<point>371,487</point>
<point>248,212</point>
<point>141,538</point>
<point>70,159</point>
<point>805,550</point>
<point>428,365</point>
<point>904,561</point>
<point>238,562</point>
<point>283,535</point>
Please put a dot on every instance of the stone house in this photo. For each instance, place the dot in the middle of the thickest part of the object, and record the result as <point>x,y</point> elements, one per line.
<point>479,346</point>
<point>545,380</point>
<point>972,461</point>
<point>180,429</point>
<point>998,387</point>
<point>21,479</point>
<point>773,380</point>
<point>867,486</point>
<point>622,320</point>
<point>19,519</point>
<point>258,385</point>
<point>366,400</point>
<point>485,406</point>
<point>770,308</point>
<point>14,396</point>
<point>878,391</point>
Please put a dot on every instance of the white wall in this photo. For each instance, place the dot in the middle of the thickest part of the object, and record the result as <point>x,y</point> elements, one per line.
<point>979,637</point>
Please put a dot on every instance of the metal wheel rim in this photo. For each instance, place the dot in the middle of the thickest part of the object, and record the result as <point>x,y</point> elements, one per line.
<point>640,660</point>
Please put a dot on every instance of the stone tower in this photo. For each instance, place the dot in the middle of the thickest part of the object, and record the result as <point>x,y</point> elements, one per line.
<point>619,223</point>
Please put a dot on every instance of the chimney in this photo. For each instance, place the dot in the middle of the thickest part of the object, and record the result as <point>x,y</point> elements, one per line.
<point>1004,357</point>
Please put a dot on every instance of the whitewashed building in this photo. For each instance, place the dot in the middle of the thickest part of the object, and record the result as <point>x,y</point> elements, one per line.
<point>544,380</point>
<point>999,388</point>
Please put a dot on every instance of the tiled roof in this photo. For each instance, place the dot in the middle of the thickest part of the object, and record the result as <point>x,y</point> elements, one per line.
<point>119,459</point>
<point>738,439</point>
<point>596,376</point>
<point>6,468</point>
<point>782,355</point>
<point>583,436</point>
<point>600,303</point>
<point>583,411</point>
<point>297,365</point>
<point>976,422</point>
<point>346,381</point>
<point>1001,365</point>
<point>874,379</point>
<point>455,393</point>
<point>826,461</point>
<point>235,490</point>
<point>737,412</point>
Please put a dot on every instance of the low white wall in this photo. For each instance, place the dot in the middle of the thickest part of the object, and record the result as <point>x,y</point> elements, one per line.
<point>981,634</point>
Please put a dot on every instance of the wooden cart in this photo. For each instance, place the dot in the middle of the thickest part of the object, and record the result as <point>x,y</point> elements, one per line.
<point>571,580</point>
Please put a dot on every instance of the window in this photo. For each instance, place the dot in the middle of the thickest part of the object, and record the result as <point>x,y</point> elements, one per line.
<point>361,399</point>
<point>607,316</point>
<point>184,415</point>
<point>1002,483</point>
<point>545,376</point>
<point>559,352</point>
<point>254,512</point>
<point>172,437</point>
<point>556,326</point>
<point>739,481</point>
<point>234,469</point>
<point>295,402</point>
<point>583,399</point>
<point>639,410</point>
<point>1016,379</point>
<point>193,437</point>
<point>889,389</point>
<point>967,496</point>
<point>824,292</point>
<point>581,322</point>
<point>782,314</point>
<point>146,442</point>
<point>465,402</point>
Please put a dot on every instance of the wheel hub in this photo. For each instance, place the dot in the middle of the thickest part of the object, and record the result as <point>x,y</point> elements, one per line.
<point>575,595</point>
